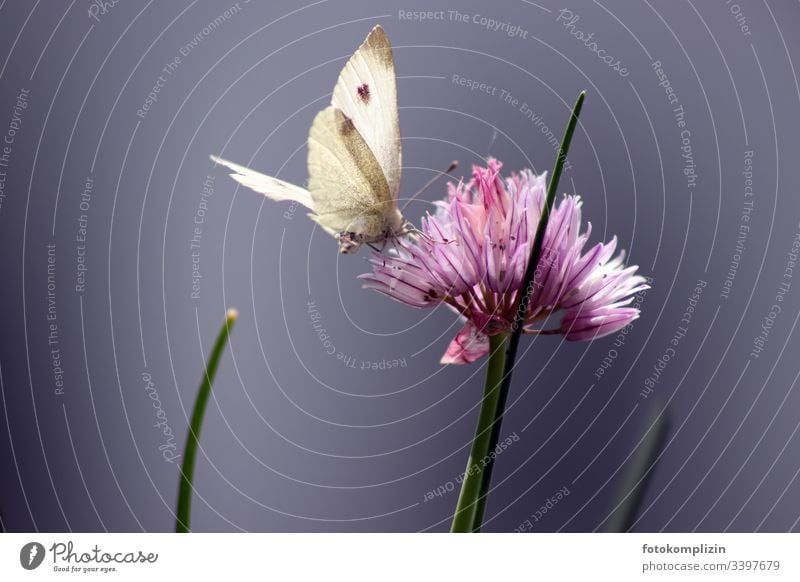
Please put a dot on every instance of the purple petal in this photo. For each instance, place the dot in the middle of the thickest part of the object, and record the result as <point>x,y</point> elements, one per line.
<point>593,324</point>
<point>468,345</point>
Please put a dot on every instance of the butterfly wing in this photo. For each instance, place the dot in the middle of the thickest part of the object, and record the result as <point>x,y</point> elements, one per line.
<point>270,187</point>
<point>346,182</point>
<point>366,92</point>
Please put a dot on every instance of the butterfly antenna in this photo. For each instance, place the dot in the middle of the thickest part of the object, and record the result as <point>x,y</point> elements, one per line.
<point>430,182</point>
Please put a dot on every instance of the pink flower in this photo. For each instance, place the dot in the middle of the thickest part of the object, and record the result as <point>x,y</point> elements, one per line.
<point>473,252</point>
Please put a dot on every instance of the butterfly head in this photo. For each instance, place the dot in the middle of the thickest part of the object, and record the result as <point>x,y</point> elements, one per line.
<point>349,242</point>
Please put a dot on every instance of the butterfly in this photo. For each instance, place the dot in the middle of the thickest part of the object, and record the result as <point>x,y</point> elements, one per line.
<point>354,155</point>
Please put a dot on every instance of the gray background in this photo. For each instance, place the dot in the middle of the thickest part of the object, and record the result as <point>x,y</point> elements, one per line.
<point>295,439</point>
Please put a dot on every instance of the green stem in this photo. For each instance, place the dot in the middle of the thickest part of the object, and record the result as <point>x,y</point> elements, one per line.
<point>468,500</point>
<point>640,471</point>
<point>185,487</point>
<point>472,502</point>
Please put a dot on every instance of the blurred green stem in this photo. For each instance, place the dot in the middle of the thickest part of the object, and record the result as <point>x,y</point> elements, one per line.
<point>185,488</point>
<point>639,473</point>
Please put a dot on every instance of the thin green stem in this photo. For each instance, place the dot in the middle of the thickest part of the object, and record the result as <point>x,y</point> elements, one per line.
<point>480,454</point>
<point>185,488</point>
<point>640,471</point>
<point>528,283</point>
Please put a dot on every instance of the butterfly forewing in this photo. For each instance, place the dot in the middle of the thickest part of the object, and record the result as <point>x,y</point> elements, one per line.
<point>366,92</point>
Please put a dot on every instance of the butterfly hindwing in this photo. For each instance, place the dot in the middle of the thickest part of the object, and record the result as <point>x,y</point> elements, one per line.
<point>346,182</point>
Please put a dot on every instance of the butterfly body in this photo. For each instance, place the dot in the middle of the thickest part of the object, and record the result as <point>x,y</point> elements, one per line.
<point>354,154</point>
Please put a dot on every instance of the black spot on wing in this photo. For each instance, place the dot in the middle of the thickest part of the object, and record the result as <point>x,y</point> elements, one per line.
<point>363,93</point>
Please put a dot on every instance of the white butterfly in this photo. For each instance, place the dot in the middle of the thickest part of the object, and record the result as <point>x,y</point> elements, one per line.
<point>353,154</point>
